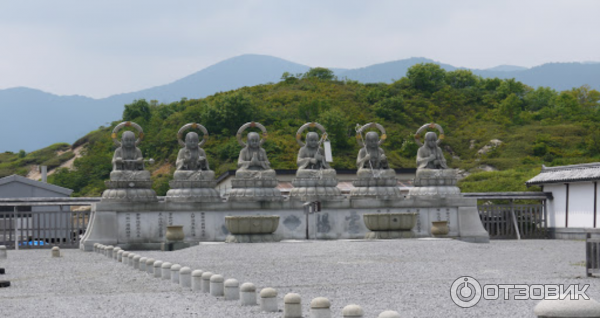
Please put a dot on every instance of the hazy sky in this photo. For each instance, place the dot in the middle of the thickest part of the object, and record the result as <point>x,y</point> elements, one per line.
<point>100,48</point>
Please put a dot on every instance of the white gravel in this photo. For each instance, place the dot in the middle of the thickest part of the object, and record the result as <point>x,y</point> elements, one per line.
<point>412,277</point>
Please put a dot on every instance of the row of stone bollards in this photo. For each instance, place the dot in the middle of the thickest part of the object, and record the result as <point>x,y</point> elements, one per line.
<point>230,289</point>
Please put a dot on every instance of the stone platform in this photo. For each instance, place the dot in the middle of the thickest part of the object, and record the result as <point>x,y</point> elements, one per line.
<point>142,225</point>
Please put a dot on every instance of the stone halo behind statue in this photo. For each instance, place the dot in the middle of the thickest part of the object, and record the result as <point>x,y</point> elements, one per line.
<point>315,179</point>
<point>433,177</point>
<point>375,179</point>
<point>193,181</point>
<point>254,179</point>
<point>129,181</point>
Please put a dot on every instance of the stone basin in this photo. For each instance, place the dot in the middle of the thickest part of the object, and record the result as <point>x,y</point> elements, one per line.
<point>390,221</point>
<point>255,224</point>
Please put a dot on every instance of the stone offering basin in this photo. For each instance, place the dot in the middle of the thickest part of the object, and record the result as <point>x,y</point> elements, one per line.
<point>256,224</point>
<point>390,221</point>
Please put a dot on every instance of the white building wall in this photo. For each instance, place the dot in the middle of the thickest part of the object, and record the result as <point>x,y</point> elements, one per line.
<point>581,204</point>
<point>556,207</point>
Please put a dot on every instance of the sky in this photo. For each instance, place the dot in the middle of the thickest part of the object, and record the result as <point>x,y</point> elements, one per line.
<point>102,48</point>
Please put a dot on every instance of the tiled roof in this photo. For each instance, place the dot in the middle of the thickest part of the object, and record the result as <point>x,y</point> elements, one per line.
<point>572,173</point>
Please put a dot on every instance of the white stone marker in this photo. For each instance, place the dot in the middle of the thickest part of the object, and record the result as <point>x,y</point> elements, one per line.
<point>3,254</point>
<point>320,307</point>
<point>567,308</point>
<point>131,257</point>
<point>116,252</point>
<point>389,314</point>
<point>292,306</point>
<point>352,311</point>
<point>185,277</point>
<point>217,288</point>
<point>142,266</point>
<point>55,251</point>
<point>125,258</point>
<point>232,289</point>
<point>96,247</point>
<point>109,250</point>
<point>206,281</point>
<point>197,280</point>
<point>120,256</point>
<point>150,266</point>
<point>157,269</point>
<point>175,273</point>
<point>166,270</point>
<point>248,294</point>
<point>268,300</point>
<point>136,261</point>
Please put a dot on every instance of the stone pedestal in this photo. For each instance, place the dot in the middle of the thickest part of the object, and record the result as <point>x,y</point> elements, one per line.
<point>253,190</point>
<point>135,190</point>
<point>390,225</point>
<point>315,185</point>
<point>193,191</point>
<point>435,182</point>
<point>369,186</point>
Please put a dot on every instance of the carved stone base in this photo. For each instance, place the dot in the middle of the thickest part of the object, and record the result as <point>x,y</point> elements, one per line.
<point>434,191</point>
<point>252,238</point>
<point>254,183</point>
<point>385,235</point>
<point>316,194</point>
<point>436,178</point>
<point>311,183</point>
<point>129,195</point>
<point>193,195</point>
<point>381,193</point>
<point>254,194</point>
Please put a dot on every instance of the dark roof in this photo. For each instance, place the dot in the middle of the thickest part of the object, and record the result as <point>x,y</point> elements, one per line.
<point>572,173</point>
<point>37,184</point>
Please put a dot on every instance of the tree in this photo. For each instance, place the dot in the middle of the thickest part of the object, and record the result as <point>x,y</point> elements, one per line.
<point>320,73</point>
<point>137,109</point>
<point>336,124</point>
<point>511,106</point>
<point>426,77</point>
<point>540,98</point>
<point>229,112</point>
<point>461,79</point>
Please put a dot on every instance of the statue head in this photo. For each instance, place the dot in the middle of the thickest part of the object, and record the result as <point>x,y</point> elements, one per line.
<point>128,140</point>
<point>312,140</point>
<point>191,140</point>
<point>431,140</point>
<point>372,139</point>
<point>253,140</point>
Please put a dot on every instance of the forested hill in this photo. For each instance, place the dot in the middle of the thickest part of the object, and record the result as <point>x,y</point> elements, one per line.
<point>535,126</point>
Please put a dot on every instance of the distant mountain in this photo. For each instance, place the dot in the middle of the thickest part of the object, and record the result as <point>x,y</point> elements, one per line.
<point>33,119</point>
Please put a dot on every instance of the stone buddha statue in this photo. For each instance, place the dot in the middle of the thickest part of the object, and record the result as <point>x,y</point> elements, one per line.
<point>311,159</point>
<point>371,161</point>
<point>191,163</point>
<point>253,162</point>
<point>128,162</point>
<point>430,156</point>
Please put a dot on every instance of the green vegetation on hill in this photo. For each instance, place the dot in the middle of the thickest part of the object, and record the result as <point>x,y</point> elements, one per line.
<point>536,126</point>
<point>19,163</point>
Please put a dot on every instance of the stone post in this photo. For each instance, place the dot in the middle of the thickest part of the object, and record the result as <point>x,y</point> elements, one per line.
<point>389,314</point>
<point>197,280</point>
<point>116,252</point>
<point>206,281</point>
<point>292,306</point>
<point>567,308</point>
<point>185,277</point>
<point>136,261</point>
<point>165,269</point>
<point>320,307</point>
<point>55,251</point>
<point>96,247</point>
<point>268,300</point>
<point>131,257</point>
<point>248,294</point>
<point>142,266</point>
<point>157,272</point>
<point>352,311</point>
<point>3,252</point>
<point>120,256</point>
<point>125,258</point>
<point>216,286</point>
<point>175,273</point>
<point>109,250</point>
<point>232,289</point>
<point>150,266</point>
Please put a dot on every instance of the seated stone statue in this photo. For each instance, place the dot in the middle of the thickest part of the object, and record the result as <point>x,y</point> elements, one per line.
<point>128,162</point>
<point>430,156</point>
<point>191,163</point>
<point>253,162</point>
<point>311,159</point>
<point>371,161</point>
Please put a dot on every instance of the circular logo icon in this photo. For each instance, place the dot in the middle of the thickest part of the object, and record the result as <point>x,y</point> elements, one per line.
<point>465,291</point>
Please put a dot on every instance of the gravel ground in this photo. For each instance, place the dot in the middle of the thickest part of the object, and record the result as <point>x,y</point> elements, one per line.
<point>410,276</point>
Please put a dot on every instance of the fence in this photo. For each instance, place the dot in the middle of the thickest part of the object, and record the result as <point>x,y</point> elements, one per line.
<point>592,252</point>
<point>43,222</point>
